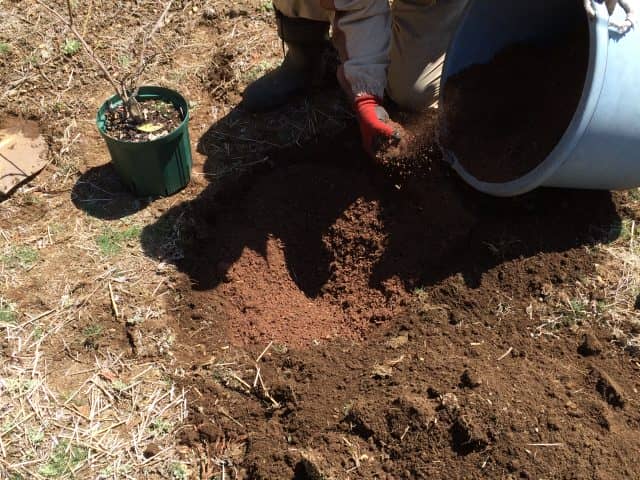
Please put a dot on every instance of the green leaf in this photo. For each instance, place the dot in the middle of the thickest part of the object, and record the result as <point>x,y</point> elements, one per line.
<point>149,127</point>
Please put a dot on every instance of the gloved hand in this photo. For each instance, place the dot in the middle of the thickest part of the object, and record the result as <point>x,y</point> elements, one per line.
<point>375,125</point>
<point>629,6</point>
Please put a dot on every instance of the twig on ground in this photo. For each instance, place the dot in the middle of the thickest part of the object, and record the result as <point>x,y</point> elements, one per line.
<point>114,305</point>
<point>505,354</point>
<point>264,352</point>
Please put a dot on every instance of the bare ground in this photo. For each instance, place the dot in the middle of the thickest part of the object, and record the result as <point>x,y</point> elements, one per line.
<point>415,329</point>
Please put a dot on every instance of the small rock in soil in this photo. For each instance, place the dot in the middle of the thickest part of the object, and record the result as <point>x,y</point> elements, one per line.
<point>608,388</point>
<point>381,371</point>
<point>450,403</point>
<point>470,379</point>
<point>151,451</point>
<point>398,341</point>
<point>590,345</point>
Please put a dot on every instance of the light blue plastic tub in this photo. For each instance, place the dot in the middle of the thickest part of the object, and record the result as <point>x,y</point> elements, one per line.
<point>601,146</point>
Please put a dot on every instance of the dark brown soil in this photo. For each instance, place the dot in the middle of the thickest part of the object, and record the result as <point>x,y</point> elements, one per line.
<point>502,119</point>
<point>433,296</point>
<point>160,119</point>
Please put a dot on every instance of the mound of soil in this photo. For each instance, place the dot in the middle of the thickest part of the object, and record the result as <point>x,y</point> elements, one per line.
<point>502,119</point>
<point>319,249</point>
<point>326,246</point>
<point>459,380</point>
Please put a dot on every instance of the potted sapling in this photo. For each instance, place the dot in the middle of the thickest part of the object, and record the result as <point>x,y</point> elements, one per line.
<point>145,127</point>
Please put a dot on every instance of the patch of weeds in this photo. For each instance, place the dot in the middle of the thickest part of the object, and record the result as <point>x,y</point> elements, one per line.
<point>64,460</point>
<point>137,319</point>
<point>124,61</point>
<point>32,59</point>
<point>119,385</point>
<point>178,471</point>
<point>259,70</point>
<point>29,199</point>
<point>71,46</point>
<point>634,194</point>
<point>36,437</point>
<point>7,426</point>
<point>267,7</point>
<point>578,309</point>
<point>160,427</point>
<point>19,386</point>
<point>115,472</point>
<point>16,476</point>
<point>7,313</point>
<point>93,330</point>
<point>38,332</point>
<point>5,49</point>
<point>625,231</point>
<point>92,334</point>
<point>280,348</point>
<point>20,257</point>
<point>111,241</point>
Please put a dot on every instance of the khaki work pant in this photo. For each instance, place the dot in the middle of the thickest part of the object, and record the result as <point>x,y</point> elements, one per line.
<point>399,48</point>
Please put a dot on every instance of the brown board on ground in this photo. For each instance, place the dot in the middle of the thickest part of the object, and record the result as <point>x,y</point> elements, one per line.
<point>22,152</point>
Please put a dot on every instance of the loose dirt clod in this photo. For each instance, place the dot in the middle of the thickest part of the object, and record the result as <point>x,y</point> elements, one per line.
<point>209,432</point>
<point>503,119</point>
<point>590,345</point>
<point>151,451</point>
<point>467,436</point>
<point>608,388</point>
<point>470,379</point>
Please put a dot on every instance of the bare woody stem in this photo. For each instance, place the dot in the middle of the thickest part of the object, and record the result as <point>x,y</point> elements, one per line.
<point>142,61</point>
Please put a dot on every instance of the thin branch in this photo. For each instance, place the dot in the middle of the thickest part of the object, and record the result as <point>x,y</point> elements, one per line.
<point>142,62</point>
<point>70,12</point>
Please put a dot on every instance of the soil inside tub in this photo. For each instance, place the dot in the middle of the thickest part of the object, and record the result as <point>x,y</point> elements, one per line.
<point>502,119</point>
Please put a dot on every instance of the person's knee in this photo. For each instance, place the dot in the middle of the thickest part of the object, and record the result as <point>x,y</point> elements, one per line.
<point>412,96</point>
<point>412,87</point>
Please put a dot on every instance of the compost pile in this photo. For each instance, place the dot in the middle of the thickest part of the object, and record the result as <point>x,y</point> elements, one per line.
<point>160,119</point>
<point>502,119</point>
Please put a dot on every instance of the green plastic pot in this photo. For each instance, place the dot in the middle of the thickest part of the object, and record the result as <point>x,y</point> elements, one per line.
<point>159,167</point>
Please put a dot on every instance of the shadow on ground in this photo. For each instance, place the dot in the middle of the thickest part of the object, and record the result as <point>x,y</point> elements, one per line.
<point>100,193</point>
<point>433,225</point>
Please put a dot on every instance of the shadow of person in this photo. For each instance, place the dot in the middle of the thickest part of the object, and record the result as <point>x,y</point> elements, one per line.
<point>335,216</point>
<point>100,193</point>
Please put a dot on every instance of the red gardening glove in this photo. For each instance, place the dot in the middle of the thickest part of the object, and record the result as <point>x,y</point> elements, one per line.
<point>375,126</point>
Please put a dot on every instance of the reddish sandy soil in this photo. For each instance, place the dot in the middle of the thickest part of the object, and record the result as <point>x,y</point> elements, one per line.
<point>411,321</point>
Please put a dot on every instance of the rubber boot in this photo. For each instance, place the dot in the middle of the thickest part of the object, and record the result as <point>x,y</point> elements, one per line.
<point>303,63</point>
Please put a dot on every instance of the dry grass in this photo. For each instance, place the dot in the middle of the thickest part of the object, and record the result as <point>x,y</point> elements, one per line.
<point>78,398</point>
<point>92,420</point>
